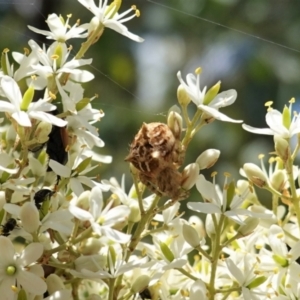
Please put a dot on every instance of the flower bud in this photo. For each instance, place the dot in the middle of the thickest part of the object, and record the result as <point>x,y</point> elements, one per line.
<point>140,284</point>
<point>197,223</point>
<point>11,135</point>
<point>248,227</point>
<point>42,132</point>
<point>208,158</point>
<point>282,148</point>
<point>189,176</point>
<point>175,123</point>
<point>278,180</point>
<point>255,175</point>
<point>182,96</point>
<point>54,283</point>
<point>30,217</point>
<point>83,200</point>
<point>190,235</point>
<point>212,93</point>
<point>90,246</point>
<point>135,213</point>
<point>209,225</point>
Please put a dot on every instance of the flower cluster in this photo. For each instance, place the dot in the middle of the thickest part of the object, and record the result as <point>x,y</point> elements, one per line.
<point>68,235</point>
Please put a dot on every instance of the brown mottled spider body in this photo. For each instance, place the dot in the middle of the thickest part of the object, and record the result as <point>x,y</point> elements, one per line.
<point>157,154</point>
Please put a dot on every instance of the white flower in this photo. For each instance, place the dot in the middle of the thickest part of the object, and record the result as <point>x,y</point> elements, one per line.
<point>102,219</point>
<point>274,119</point>
<point>52,63</point>
<point>17,270</point>
<point>108,16</point>
<point>192,88</point>
<point>218,201</point>
<point>60,30</point>
<point>36,110</point>
<point>244,274</point>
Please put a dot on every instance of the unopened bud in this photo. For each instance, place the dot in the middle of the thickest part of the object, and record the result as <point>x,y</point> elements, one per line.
<point>182,96</point>
<point>135,213</point>
<point>212,93</point>
<point>190,235</point>
<point>175,123</point>
<point>255,175</point>
<point>209,225</point>
<point>54,283</point>
<point>83,200</point>
<point>42,132</point>
<point>197,223</point>
<point>11,135</point>
<point>30,217</point>
<point>278,180</point>
<point>90,246</point>
<point>189,176</point>
<point>282,148</point>
<point>140,284</point>
<point>248,227</point>
<point>208,158</point>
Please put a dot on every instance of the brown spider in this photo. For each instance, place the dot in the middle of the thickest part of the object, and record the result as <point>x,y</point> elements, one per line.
<point>157,155</point>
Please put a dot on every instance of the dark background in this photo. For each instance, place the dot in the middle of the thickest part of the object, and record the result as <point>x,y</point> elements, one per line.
<point>235,41</point>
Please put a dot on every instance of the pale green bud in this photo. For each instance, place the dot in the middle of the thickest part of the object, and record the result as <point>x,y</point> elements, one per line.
<point>255,175</point>
<point>189,176</point>
<point>190,235</point>
<point>11,135</point>
<point>30,217</point>
<point>42,132</point>
<point>212,93</point>
<point>182,96</point>
<point>175,123</point>
<point>208,158</point>
<point>248,227</point>
<point>278,180</point>
<point>54,283</point>
<point>209,225</point>
<point>135,213</point>
<point>282,148</point>
<point>90,246</point>
<point>140,284</point>
<point>83,200</point>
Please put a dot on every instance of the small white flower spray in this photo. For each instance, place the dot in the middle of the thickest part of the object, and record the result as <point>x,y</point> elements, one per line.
<point>68,235</point>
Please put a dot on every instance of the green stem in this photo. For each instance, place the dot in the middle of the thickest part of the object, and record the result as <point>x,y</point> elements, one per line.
<point>187,274</point>
<point>215,256</point>
<point>111,289</point>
